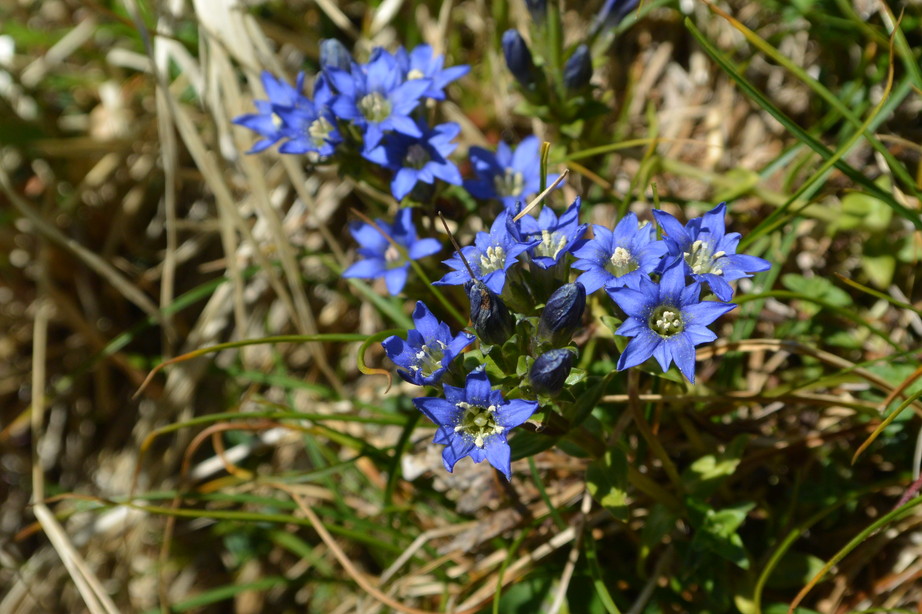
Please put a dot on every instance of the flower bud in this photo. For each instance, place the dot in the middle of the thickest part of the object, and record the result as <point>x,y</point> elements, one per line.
<point>333,54</point>
<point>550,371</point>
<point>578,70</point>
<point>491,319</point>
<point>562,314</point>
<point>537,9</point>
<point>518,58</point>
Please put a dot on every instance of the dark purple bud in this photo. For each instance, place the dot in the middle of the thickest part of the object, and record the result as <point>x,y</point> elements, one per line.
<point>518,58</point>
<point>563,314</point>
<point>333,54</point>
<point>550,371</point>
<point>611,14</point>
<point>578,70</point>
<point>491,318</point>
<point>537,9</point>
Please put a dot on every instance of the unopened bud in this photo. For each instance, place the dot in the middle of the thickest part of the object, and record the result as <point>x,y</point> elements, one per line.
<point>518,58</point>
<point>563,314</point>
<point>333,54</point>
<point>550,371</point>
<point>537,9</point>
<point>578,70</point>
<point>491,319</point>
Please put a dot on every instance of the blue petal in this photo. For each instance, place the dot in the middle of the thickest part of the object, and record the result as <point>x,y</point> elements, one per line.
<point>426,323</point>
<point>672,228</point>
<point>515,412</point>
<point>366,269</point>
<point>594,278</point>
<point>639,349</point>
<point>403,182</point>
<point>498,453</point>
<point>705,312</point>
<point>440,411</point>
<point>683,352</point>
<point>457,449</point>
<point>425,247</point>
<point>396,279</point>
<point>477,387</point>
<point>633,302</point>
<point>698,334</point>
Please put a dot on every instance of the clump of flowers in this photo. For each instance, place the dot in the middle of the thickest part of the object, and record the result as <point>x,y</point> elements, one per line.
<point>371,111</point>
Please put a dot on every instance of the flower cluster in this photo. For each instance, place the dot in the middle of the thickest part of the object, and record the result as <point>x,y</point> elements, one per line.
<point>372,108</point>
<point>472,420</point>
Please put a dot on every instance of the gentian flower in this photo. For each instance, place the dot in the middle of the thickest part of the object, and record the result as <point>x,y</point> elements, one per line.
<point>490,257</point>
<point>666,320</point>
<point>375,97</point>
<point>473,421</point>
<point>506,175</point>
<point>709,251</point>
<point>267,122</point>
<point>311,126</point>
<point>557,236</point>
<point>422,63</point>
<point>428,349</point>
<point>620,257</point>
<point>422,158</point>
<point>381,258</point>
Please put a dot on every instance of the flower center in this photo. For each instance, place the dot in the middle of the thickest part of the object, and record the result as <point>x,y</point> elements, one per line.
<point>417,156</point>
<point>478,422</point>
<point>277,121</point>
<point>375,107</point>
<point>511,183</point>
<point>621,262</point>
<point>319,131</point>
<point>415,74</point>
<point>552,243</point>
<point>391,256</point>
<point>429,359</point>
<point>666,321</point>
<point>702,260</point>
<point>493,260</point>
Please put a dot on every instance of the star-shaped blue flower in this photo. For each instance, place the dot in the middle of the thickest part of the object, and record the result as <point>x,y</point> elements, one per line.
<point>556,236</point>
<point>509,176</point>
<point>490,257</point>
<point>708,250</point>
<point>666,320</point>
<point>473,421</point>
<point>619,257</point>
<point>381,258</point>
<point>414,159</point>
<point>311,125</point>
<point>422,63</point>
<point>268,122</point>
<point>428,349</point>
<point>375,97</point>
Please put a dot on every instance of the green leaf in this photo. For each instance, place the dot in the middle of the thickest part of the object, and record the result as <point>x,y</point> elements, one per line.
<point>707,473</point>
<point>818,288</point>
<point>607,481</point>
<point>794,570</point>
<point>715,530</point>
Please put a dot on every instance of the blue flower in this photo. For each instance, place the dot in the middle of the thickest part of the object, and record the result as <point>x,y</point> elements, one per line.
<point>611,14</point>
<point>490,257</point>
<point>381,258</point>
<point>428,350</point>
<point>557,236</point>
<point>267,122</point>
<point>666,320</point>
<point>506,175</point>
<point>375,97</point>
<point>421,63</point>
<point>418,159</point>
<point>709,251</point>
<point>311,125</point>
<point>473,421</point>
<point>622,257</point>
